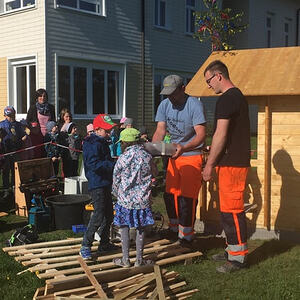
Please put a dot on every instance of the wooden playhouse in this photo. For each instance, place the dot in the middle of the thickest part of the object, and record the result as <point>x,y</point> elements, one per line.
<point>270,79</point>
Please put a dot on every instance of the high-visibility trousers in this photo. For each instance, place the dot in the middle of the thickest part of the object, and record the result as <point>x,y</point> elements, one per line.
<point>183,182</point>
<point>232,181</point>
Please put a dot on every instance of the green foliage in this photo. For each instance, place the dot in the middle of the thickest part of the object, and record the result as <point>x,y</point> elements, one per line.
<point>217,25</point>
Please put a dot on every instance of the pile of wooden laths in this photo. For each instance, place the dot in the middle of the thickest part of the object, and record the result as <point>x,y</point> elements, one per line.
<point>69,277</point>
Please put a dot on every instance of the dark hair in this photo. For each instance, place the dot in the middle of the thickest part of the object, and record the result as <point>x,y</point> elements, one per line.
<point>39,93</point>
<point>217,65</point>
<point>62,113</point>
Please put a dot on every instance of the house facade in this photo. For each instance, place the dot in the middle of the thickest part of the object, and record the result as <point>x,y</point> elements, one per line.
<point>96,56</point>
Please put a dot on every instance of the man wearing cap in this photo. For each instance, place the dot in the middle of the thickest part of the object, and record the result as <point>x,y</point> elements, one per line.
<point>183,117</point>
<point>98,167</point>
<point>15,134</point>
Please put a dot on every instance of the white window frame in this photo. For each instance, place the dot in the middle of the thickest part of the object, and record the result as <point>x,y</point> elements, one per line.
<point>100,7</point>
<point>89,94</point>
<point>157,15</point>
<point>13,64</point>
<point>22,7</point>
<point>189,11</point>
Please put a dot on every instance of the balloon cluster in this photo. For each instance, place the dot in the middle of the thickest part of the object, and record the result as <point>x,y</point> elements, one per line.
<point>217,25</point>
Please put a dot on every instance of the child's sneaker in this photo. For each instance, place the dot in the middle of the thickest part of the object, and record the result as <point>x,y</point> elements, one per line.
<point>143,262</point>
<point>85,253</point>
<point>121,263</point>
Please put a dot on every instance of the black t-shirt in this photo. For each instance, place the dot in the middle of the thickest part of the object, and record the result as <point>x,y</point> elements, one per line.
<point>232,105</point>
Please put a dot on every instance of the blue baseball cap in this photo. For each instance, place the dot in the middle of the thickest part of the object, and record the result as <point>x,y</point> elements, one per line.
<point>9,110</point>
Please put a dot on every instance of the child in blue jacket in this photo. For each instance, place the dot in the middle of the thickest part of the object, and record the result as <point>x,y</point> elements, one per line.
<point>13,141</point>
<point>98,167</point>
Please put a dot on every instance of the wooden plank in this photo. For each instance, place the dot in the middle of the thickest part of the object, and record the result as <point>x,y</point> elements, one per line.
<point>169,248</point>
<point>159,283</point>
<point>132,290</point>
<point>92,278</point>
<point>73,257</point>
<point>43,250</point>
<point>50,254</point>
<point>102,276</point>
<point>110,264</point>
<point>20,200</point>
<point>153,295</point>
<point>267,168</point>
<point>43,244</point>
<point>183,295</point>
<point>178,258</point>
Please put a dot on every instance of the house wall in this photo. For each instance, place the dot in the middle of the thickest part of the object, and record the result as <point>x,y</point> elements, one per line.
<point>86,37</point>
<point>173,49</point>
<point>257,19</point>
<point>3,83</point>
<point>255,13</point>
<point>22,34</point>
<point>117,38</point>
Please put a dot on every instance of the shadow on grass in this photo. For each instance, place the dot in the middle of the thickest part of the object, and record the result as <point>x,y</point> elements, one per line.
<point>206,243</point>
<point>267,250</point>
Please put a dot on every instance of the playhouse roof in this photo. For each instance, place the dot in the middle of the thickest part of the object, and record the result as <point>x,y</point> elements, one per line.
<point>257,72</point>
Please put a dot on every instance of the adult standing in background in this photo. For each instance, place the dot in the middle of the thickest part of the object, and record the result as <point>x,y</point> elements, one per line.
<point>230,154</point>
<point>65,117</point>
<point>184,119</point>
<point>41,111</point>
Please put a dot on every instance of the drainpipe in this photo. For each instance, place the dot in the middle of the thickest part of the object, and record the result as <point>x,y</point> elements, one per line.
<point>297,27</point>
<point>143,60</point>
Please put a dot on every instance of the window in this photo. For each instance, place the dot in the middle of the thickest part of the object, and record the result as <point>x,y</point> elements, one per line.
<point>269,27</point>
<point>13,5</point>
<point>286,31</point>
<point>90,6</point>
<point>90,89</point>
<point>160,13</point>
<point>22,84</point>
<point>189,16</point>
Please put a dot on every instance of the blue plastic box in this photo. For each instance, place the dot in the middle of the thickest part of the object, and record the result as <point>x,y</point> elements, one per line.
<point>79,228</point>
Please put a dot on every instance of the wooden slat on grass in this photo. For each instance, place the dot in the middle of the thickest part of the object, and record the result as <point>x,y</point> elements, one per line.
<point>92,279</point>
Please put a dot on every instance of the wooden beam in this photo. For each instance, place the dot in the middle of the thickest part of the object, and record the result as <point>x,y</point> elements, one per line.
<point>267,170</point>
<point>44,244</point>
<point>92,278</point>
<point>132,290</point>
<point>159,283</point>
<point>102,276</point>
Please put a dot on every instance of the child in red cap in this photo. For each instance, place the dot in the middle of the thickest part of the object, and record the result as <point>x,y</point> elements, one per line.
<point>98,167</point>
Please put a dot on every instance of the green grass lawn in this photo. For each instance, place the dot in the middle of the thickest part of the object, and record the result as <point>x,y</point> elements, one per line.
<point>273,273</point>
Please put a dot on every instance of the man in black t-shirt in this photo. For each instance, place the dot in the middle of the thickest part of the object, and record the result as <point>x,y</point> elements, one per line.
<point>230,154</point>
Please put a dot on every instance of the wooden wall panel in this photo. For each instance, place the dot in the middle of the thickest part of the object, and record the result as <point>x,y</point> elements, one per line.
<point>3,84</point>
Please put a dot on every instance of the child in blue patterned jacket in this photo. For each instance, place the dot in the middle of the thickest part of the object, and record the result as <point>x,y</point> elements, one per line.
<point>132,179</point>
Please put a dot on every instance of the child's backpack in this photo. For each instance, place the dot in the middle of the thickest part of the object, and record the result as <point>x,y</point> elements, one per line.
<point>25,235</point>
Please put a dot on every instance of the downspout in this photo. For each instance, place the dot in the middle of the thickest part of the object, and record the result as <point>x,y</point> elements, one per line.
<point>297,27</point>
<point>143,61</point>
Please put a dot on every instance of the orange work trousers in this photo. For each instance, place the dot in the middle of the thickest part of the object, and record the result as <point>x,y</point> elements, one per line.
<point>183,182</point>
<point>232,182</point>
